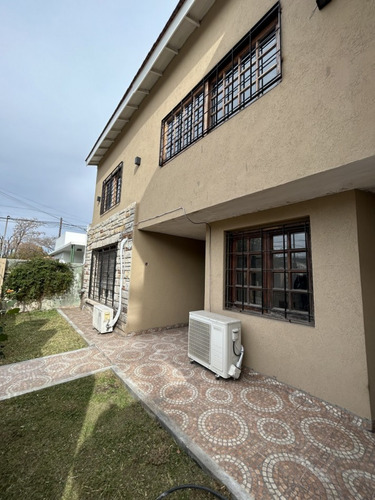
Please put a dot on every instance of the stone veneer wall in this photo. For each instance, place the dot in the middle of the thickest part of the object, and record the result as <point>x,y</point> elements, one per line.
<point>109,232</point>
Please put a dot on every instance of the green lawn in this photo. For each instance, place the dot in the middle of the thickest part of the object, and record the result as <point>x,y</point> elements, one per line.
<point>37,334</point>
<point>89,439</point>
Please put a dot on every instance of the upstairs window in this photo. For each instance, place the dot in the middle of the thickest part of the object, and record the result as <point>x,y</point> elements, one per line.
<point>184,125</point>
<point>249,70</point>
<point>247,73</point>
<point>111,190</point>
<point>268,272</point>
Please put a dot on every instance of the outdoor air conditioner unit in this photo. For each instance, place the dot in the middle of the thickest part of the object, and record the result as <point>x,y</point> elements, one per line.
<point>102,315</point>
<point>214,341</point>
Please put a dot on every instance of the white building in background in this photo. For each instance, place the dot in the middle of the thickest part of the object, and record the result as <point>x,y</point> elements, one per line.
<point>70,248</point>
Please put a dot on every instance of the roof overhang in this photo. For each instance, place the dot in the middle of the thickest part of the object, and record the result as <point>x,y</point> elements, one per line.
<point>356,175</point>
<point>67,248</point>
<point>185,19</point>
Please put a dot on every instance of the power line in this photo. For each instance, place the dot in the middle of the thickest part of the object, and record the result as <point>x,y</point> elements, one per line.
<point>43,223</point>
<point>32,205</point>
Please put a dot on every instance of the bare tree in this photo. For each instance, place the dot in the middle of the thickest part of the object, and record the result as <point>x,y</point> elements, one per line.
<point>26,232</point>
<point>27,251</point>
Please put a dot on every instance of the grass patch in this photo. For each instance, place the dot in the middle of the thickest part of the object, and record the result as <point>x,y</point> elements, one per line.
<point>39,333</point>
<point>89,439</point>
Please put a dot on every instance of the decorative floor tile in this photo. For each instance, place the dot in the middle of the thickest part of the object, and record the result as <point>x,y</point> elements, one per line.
<point>274,440</point>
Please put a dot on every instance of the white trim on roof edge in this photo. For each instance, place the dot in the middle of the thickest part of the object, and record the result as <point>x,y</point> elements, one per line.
<point>115,124</point>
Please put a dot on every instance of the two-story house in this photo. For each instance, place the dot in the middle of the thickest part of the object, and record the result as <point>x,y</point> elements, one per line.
<point>239,172</point>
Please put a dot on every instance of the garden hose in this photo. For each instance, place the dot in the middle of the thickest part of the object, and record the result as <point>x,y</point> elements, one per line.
<point>191,486</point>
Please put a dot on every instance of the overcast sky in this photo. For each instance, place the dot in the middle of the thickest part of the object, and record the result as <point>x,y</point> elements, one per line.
<point>64,66</point>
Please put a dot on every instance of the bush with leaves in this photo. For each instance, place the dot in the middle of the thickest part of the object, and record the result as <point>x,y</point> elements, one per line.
<point>7,314</point>
<point>38,279</point>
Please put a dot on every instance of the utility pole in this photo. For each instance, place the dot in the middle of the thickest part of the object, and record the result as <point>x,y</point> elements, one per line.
<point>60,227</point>
<point>5,232</point>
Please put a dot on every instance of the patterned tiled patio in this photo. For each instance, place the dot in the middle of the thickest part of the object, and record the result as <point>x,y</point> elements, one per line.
<point>262,438</point>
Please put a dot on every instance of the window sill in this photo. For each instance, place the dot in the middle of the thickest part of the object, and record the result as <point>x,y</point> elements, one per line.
<point>293,320</point>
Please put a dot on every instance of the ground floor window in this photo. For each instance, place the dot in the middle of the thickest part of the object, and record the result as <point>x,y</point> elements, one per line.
<point>268,271</point>
<point>102,275</point>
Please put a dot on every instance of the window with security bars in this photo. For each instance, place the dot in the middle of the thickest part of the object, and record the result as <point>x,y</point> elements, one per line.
<point>111,190</point>
<point>103,274</point>
<point>249,70</point>
<point>185,125</point>
<point>268,272</point>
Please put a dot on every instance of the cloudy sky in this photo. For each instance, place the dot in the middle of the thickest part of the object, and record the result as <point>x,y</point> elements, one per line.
<point>64,66</point>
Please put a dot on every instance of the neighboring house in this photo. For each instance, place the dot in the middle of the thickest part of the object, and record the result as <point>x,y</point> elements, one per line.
<point>70,248</point>
<point>240,167</point>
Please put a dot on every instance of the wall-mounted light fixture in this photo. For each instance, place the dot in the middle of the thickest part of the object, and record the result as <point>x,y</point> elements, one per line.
<point>137,161</point>
<point>98,198</point>
<point>322,3</point>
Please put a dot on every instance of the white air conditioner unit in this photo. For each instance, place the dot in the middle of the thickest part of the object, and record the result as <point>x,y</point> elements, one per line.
<point>101,317</point>
<point>214,341</point>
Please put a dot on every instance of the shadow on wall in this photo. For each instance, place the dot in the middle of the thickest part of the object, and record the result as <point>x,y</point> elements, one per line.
<point>167,281</point>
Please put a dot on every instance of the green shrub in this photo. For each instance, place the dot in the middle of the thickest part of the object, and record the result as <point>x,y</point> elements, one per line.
<point>6,316</point>
<point>38,279</point>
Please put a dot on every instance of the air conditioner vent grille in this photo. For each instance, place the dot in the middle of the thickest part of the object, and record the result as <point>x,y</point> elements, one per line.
<point>199,340</point>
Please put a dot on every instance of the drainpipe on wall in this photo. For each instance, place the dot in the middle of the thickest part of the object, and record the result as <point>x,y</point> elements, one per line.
<point>115,319</point>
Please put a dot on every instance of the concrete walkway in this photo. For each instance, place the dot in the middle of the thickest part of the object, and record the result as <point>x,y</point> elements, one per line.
<point>261,438</point>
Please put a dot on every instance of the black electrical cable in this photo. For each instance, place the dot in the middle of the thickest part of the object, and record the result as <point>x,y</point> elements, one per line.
<point>234,350</point>
<point>191,486</point>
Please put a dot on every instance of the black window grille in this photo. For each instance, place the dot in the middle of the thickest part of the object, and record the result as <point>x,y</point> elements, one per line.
<point>248,71</point>
<point>268,272</point>
<point>103,275</point>
<point>111,190</point>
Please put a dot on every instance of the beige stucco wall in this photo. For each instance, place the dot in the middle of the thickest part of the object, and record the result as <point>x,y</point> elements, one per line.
<point>366,239</point>
<point>167,280</point>
<point>319,117</point>
<point>328,360</point>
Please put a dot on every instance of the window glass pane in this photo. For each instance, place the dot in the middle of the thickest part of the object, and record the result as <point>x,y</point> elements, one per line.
<point>278,260</point>
<point>241,278</point>
<point>299,260</point>
<point>268,77</point>
<point>299,281</point>
<point>255,297</point>
<point>280,280</point>
<point>300,301</point>
<point>187,124</point>
<point>245,78</point>
<point>279,242</point>
<point>298,240</point>
<point>280,300</point>
<point>241,245</point>
<point>267,64</point>
<point>241,261</point>
<point>268,60</point>
<point>256,279</point>
<point>255,244</point>
<point>240,294</point>
<point>268,42</point>
<point>256,261</point>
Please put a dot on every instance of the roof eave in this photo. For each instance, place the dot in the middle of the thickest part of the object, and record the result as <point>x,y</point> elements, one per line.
<point>183,21</point>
